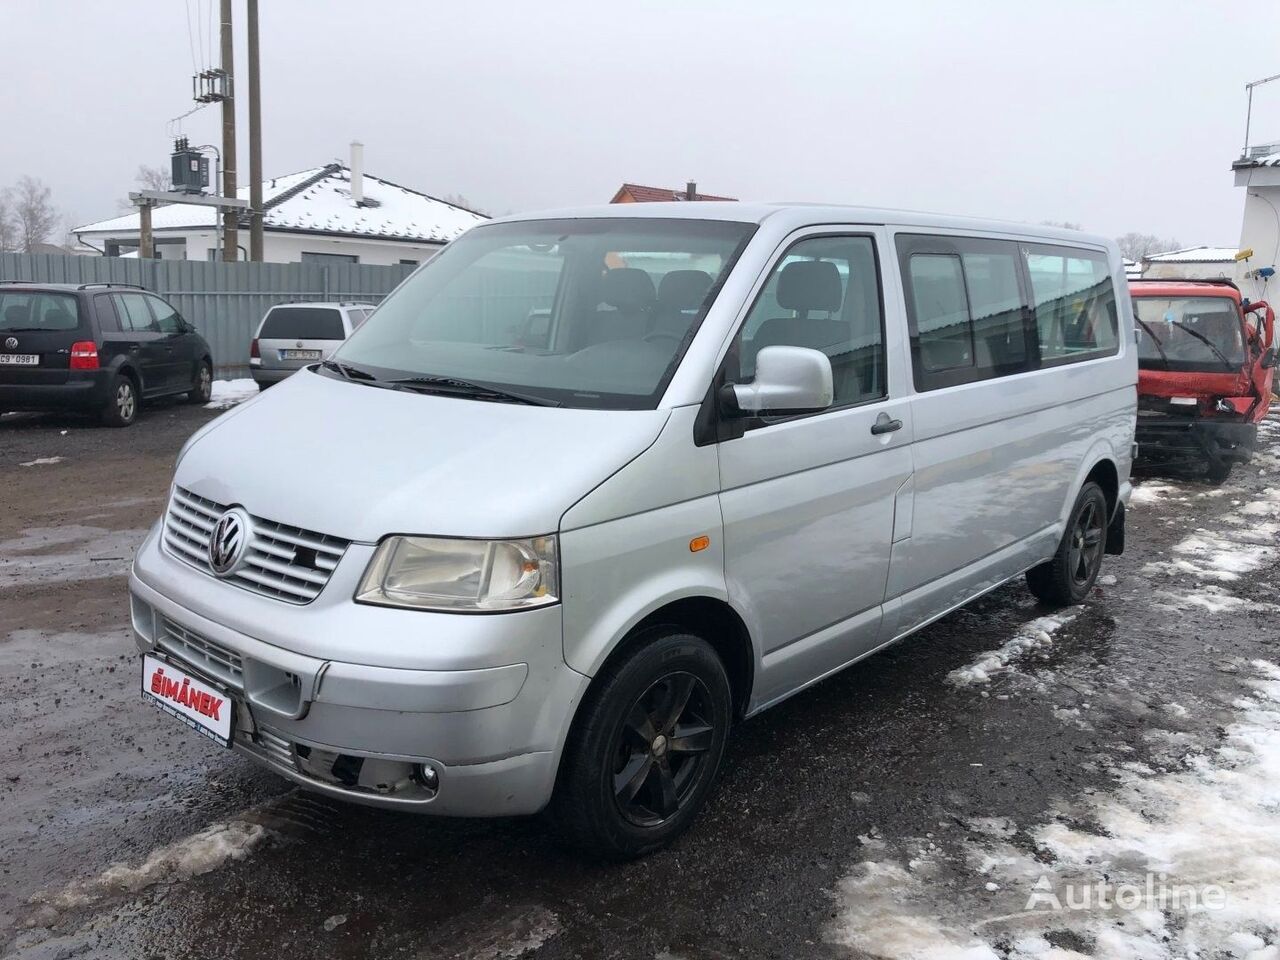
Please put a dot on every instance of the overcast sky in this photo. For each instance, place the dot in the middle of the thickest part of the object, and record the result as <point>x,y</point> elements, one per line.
<point>1119,116</point>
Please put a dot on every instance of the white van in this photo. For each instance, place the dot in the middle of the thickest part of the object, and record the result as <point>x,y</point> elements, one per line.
<point>590,487</point>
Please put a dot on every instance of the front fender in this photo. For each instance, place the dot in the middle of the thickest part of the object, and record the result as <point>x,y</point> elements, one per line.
<point>615,574</point>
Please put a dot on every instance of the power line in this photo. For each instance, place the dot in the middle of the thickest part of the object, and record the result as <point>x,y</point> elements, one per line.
<point>191,42</point>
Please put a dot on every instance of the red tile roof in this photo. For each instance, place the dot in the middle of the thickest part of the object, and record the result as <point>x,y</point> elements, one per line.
<point>642,194</point>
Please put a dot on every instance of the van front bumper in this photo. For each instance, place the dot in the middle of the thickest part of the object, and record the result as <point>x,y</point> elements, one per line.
<point>478,739</point>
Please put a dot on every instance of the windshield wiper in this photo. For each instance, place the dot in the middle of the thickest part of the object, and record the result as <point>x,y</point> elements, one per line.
<point>452,386</point>
<point>1205,340</point>
<point>1154,339</point>
<point>348,372</point>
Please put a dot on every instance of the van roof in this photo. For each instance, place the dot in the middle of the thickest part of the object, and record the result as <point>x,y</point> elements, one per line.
<point>796,215</point>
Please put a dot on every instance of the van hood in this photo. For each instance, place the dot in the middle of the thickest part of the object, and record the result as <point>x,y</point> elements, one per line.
<point>360,462</point>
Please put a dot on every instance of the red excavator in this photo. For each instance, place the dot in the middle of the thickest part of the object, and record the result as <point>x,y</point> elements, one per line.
<point>1206,361</point>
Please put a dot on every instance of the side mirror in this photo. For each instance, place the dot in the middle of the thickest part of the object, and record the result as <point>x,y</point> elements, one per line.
<point>788,380</point>
<point>1268,359</point>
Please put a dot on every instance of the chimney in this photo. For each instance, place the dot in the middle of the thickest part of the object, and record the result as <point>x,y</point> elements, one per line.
<point>690,190</point>
<point>357,173</point>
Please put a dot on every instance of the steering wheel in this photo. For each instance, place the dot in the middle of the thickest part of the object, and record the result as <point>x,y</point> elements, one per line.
<point>651,337</point>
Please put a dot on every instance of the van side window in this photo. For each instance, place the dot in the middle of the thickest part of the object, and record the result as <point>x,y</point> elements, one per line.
<point>1075,303</point>
<point>824,293</point>
<point>967,312</point>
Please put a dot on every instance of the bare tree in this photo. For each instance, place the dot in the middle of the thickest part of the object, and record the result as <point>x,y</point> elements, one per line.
<point>153,178</point>
<point>8,230</point>
<point>1135,246</point>
<point>458,200</point>
<point>147,178</point>
<point>33,212</point>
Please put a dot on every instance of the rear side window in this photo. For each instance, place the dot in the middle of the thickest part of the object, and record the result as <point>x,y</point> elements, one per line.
<point>966,308</point>
<point>302,323</point>
<point>106,313</point>
<point>1075,303</point>
<point>134,313</point>
<point>38,311</point>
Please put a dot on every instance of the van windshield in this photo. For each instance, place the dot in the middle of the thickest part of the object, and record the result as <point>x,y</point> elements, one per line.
<point>1189,333</point>
<point>592,313</point>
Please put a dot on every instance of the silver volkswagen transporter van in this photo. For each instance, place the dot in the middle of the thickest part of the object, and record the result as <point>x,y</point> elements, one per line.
<point>590,487</point>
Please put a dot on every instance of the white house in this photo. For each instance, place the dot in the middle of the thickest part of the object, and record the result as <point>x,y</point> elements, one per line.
<point>1194,263</point>
<point>319,215</point>
<point>1258,171</point>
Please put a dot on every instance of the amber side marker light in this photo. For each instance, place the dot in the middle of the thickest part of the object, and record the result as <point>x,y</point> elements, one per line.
<point>699,543</point>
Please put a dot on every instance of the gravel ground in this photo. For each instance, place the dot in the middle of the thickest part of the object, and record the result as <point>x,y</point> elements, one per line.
<point>907,807</point>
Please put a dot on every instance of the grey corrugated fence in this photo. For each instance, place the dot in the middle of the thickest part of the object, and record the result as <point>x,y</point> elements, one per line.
<point>225,301</point>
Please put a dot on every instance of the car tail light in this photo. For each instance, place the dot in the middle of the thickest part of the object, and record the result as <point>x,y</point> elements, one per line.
<point>253,349</point>
<point>84,355</point>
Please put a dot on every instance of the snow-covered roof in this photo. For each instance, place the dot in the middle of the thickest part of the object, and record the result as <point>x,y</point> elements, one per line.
<point>1195,255</point>
<point>319,201</point>
<point>1132,269</point>
<point>1271,159</point>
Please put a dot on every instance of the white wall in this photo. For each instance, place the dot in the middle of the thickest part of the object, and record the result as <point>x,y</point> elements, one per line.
<point>284,247</point>
<point>1259,229</point>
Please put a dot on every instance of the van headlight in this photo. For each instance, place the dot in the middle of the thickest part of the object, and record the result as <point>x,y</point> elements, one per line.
<point>433,573</point>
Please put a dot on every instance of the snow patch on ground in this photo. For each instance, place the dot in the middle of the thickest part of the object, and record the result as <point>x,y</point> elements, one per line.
<point>1031,637</point>
<point>1209,826</point>
<point>192,856</point>
<point>510,937</point>
<point>42,461</point>
<point>227,393</point>
<point>1152,492</point>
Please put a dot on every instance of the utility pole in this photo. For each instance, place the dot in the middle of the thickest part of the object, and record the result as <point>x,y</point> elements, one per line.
<point>255,139</point>
<point>230,237</point>
<point>146,239</point>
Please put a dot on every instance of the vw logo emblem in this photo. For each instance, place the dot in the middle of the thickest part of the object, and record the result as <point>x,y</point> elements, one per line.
<point>229,541</point>
<point>11,343</point>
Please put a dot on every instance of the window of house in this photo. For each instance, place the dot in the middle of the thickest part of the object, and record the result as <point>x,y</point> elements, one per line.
<point>824,294</point>
<point>1075,303</point>
<point>966,310</point>
<point>327,259</point>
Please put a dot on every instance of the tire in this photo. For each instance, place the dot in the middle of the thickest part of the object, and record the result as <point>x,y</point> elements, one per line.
<point>202,392</point>
<point>1219,470</point>
<point>1070,575</point>
<point>625,789</point>
<point>122,403</point>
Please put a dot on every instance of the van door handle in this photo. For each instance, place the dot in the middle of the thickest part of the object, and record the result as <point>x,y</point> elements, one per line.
<point>885,424</point>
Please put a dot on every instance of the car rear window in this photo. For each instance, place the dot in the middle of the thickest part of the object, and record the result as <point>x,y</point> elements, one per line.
<point>302,323</point>
<point>37,310</point>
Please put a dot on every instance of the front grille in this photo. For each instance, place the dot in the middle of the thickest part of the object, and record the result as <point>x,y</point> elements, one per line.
<point>200,652</point>
<point>284,562</point>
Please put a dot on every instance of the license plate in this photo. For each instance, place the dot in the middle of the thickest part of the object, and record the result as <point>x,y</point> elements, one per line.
<point>200,705</point>
<point>299,354</point>
<point>19,359</point>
